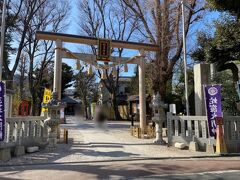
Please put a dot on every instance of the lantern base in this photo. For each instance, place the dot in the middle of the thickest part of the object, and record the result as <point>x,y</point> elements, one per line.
<point>52,141</point>
<point>159,142</point>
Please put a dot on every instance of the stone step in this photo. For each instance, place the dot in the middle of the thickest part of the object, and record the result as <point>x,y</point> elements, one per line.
<point>180,145</point>
<point>32,149</point>
<point>193,146</point>
<point>5,154</point>
<point>19,151</point>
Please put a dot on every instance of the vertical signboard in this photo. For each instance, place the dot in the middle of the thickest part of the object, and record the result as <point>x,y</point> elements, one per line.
<point>46,98</point>
<point>2,111</point>
<point>213,106</point>
<point>104,50</point>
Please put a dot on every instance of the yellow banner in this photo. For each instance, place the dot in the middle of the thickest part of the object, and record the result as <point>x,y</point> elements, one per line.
<point>46,98</point>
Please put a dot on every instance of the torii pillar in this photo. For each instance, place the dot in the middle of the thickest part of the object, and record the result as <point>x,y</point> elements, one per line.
<point>142,92</point>
<point>57,82</point>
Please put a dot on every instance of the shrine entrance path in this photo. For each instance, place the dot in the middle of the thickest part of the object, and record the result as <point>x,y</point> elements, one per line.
<point>89,144</point>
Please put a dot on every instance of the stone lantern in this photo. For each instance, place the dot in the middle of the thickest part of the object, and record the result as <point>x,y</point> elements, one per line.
<point>159,117</point>
<point>53,119</point>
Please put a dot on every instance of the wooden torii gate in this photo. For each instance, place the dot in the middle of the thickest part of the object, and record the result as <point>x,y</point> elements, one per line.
<point>59,38</point>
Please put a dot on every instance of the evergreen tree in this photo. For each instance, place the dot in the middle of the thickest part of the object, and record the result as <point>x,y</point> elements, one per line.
<point>223,47</point>
<point>67,76</point>
<point>86,88</point>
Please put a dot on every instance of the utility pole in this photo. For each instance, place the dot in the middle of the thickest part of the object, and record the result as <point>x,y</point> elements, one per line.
<point>184,4</point>
<point>2,37</point>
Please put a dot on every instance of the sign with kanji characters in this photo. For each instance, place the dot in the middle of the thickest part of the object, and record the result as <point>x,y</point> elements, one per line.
<point>2,111</point>
<point>213,106</point>
<point>219,121</point>
<point>104,50</point>
<point>46,98</point>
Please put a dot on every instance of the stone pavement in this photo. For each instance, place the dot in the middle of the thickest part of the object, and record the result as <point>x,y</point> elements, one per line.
<point>87,144</point>
<point>174,169</point>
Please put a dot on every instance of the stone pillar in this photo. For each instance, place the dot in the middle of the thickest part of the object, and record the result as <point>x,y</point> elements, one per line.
<point>142,93</point>
<point>201,77</point>
<point>58,69</point>
<point>11,129</point>
<point>19,129</point>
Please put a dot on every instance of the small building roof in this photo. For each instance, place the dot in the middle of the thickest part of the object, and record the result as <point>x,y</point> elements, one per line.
<point>125,79</point>
<point>69,100</point>
<point>133,98</point>
<point>136,98</point>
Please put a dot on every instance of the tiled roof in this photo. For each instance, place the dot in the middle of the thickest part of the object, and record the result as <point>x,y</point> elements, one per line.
<point>69,100</point>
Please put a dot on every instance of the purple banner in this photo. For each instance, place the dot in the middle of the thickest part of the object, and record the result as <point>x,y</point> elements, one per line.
<point>2,111</point>
<point>213,106</point>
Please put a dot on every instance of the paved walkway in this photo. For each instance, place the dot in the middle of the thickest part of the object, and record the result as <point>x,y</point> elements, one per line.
<point>87,143</point>
<point>115,154</point>
<point>205,169</point>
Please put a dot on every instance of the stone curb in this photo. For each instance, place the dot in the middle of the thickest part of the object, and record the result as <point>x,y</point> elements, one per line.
<point>122,160</point>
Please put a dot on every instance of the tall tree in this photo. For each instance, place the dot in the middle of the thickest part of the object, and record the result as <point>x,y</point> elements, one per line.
<point>161,25</point>
<point>10,26</point>
<point>45,80</point>
<point>111,20</point>
<point>22,12</point>
<point>229,94</point>
<point>67,76</point>
<point>232,6</point>
<point>222,48</point>
<point>23,69</point>
<point>177,95</point>
<point>50,16</point>
<point>86,89</point>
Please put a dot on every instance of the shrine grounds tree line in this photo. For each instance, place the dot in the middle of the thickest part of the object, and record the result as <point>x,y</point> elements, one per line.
<point>152,21</point>
<point>24,17</point>
<point>222,49</point>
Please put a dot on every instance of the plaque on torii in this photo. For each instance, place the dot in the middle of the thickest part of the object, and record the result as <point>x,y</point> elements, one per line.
<point>104,50</point>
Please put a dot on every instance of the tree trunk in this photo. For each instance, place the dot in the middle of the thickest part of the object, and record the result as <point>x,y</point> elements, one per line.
<point>9,83</point>
<point>21,86</point>
<point>160,85</point>
<point>162,90</point>
<point>85,108</point>
<point>34,104</point>
<point>115,108</point>
<point>86,111</point>
<point>232,67</point>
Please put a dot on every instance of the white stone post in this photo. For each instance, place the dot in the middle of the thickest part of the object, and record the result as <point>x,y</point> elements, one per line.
<point>142,92</point>
<point>201,77</point>
<point>58,69</point>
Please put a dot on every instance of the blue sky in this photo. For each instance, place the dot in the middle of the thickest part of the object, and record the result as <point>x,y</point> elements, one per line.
<point>74,29</point>
<point>209,17</point>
